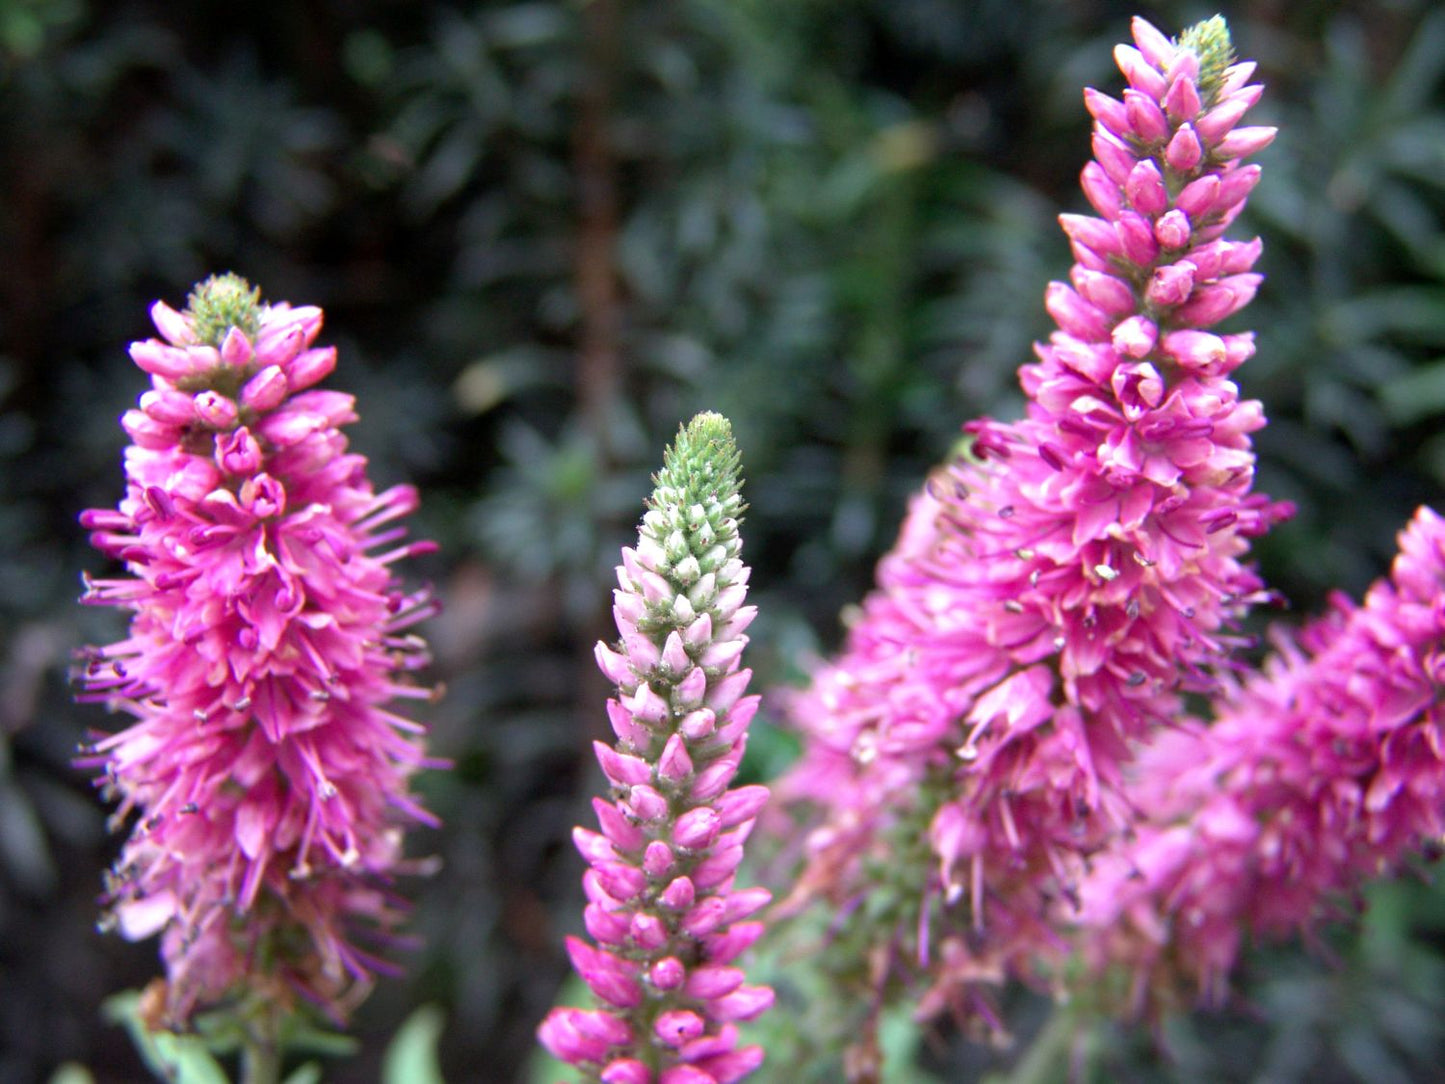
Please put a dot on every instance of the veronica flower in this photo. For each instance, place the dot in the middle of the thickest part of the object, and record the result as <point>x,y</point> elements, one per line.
<point>1323,770</point>
<point>1056,589</point>
<point>264,776</point>
<point>664,912</point>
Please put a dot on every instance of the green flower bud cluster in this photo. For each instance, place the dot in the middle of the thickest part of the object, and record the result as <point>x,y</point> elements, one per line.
<point>689,534</point>
<point>1210,42</point>
<point>223,302</point>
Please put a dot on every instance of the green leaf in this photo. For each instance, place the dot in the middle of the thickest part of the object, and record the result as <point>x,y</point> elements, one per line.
<point>1417,395</point>
<point>300,1035</point>
<point>310,1073</point>
<point>178,1059</point>
<point>545,1069</point>
<point>412,1056</point>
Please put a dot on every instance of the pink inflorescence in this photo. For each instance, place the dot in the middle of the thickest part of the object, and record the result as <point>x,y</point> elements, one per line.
<point>1055,591</point>
<point>266,776</point>
<point>664,910</point>
<point>1322,771</point>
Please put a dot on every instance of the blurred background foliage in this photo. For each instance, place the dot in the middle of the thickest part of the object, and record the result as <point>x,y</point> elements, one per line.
<point>545,233</point>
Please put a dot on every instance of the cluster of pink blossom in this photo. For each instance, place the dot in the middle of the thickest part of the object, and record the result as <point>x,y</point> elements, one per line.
<point>1054,593</point>
<point>266,778</point>
<point>1323,770</point>
<point>664,909</point>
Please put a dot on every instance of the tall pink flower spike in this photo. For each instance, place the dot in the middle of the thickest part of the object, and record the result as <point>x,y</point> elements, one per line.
<point>1322,771</point>
<point>1056,589</point>
<point>664,910</point>
<point>265,776</point>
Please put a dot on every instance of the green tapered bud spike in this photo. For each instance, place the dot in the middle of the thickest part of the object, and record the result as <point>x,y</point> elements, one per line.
<point>1210,42</point>
<point>697,500</point>
<point>701,470</point>
<point>221,303</point>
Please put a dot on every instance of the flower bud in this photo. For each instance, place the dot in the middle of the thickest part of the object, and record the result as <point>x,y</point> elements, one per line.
<point>266,390</point>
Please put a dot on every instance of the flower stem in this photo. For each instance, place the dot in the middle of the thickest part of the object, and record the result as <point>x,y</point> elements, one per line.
<point>260,1064</point>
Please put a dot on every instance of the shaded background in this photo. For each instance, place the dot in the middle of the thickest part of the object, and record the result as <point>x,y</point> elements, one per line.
<point>545,233</point>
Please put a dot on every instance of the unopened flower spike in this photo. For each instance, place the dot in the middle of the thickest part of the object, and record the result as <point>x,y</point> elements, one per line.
<point>266,774</point>
<point>665,915</point>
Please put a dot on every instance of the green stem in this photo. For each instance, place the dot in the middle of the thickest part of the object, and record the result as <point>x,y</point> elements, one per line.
<point>261,1060</point>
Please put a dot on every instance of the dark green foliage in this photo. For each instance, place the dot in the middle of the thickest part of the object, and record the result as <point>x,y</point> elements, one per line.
<point>547,232</point>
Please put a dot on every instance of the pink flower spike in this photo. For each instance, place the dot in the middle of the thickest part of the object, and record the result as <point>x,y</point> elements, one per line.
<point>1053,597</point>
<point>267,768</point>
<point>662,875</point>
<point>1295,794</point>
